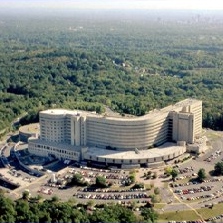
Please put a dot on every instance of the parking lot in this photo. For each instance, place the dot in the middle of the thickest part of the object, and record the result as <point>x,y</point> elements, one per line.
<point>44,187</point>
<point>186,190</point>
<point>189,190</point>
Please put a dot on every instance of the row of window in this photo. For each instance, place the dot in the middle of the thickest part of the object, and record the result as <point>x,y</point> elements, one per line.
<point>40,151</point>
<point>139,161</point>
<point>55,149</point>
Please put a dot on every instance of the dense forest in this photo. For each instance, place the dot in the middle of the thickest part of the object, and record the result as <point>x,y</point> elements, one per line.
<point>35,209</point>
<point>131,62</point>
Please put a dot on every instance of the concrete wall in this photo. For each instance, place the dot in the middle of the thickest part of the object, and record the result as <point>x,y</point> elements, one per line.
<point>23,137</point>
<point>60,153</point>
<point>28,169</point>
<point>183,127</point>
<point>127,134</point>
<point>52,127</point>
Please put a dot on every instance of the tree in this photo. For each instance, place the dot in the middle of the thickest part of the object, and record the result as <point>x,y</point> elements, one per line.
<point>174,174</point>
<point>154,176</point>
<point>201,174</point>
<point>72,201</point>
<point>132,178</point>
<point>155,198</point>
<point>78,216</point>
<point>77,180</point>
<point>7,210</point>
<point>100,182</point>
<point>90,203</point>
<point>218,168</point>
<point>25,195</point>
<point>113,213</point>
<point>138,186</point>
<point>156,190</point>
<point>149,215</point>
<point>55,199</point>
<point>168,170</point>
<point>23,212</point>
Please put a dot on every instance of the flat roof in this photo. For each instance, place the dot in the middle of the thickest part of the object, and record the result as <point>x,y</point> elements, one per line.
<point>63,146</point>
<point>31,128</point>
<point>165,149</point>
<point>110,115</point>
<point>57,111</point>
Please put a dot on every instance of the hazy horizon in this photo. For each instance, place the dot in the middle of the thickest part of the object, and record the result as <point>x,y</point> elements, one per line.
<point>115,4</point>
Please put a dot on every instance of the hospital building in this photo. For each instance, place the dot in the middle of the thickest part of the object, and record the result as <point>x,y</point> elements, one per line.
<point>115,139</point>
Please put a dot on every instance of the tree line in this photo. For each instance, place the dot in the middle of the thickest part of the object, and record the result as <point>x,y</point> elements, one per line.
<point>133,68</point>
<point>36,209</point>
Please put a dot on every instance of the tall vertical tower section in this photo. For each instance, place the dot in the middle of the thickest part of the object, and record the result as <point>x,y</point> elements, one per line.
<point>53,126</point>
<point>187,122</point>
<point>78,130</point>
<point>196,109</point>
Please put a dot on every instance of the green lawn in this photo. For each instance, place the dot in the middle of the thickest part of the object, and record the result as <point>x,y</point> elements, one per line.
<point>211,212</point>
<point>159,205</point>
<point>189,215</point>
<point>211,135</point>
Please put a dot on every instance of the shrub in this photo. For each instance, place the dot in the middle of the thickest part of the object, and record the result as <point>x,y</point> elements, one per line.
<point>156,190</point>
<point>138,186</point>
<point>100,182</point>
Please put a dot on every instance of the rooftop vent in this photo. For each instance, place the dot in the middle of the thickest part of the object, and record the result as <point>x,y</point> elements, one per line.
<point>136,151</point>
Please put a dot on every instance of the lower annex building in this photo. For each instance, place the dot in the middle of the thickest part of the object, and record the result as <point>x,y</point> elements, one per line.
<point>111,140</point>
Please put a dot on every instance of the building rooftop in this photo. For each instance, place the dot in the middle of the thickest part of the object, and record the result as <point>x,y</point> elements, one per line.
<point>56,145</point>
<point>31,128</point>
<point>165,149</point>
<point>110,115</point>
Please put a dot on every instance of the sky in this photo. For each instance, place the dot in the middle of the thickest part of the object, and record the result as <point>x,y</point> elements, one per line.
<point>115,4</point>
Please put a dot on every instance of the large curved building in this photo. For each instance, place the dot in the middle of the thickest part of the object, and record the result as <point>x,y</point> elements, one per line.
<point>80,129</point>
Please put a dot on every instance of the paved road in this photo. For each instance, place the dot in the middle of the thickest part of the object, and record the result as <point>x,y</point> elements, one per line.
<point>166,193</point>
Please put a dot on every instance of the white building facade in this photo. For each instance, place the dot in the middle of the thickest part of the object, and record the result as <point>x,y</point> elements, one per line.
<point>80,129</point>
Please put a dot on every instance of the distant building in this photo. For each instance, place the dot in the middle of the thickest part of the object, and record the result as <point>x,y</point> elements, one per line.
<point>73,134</point>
